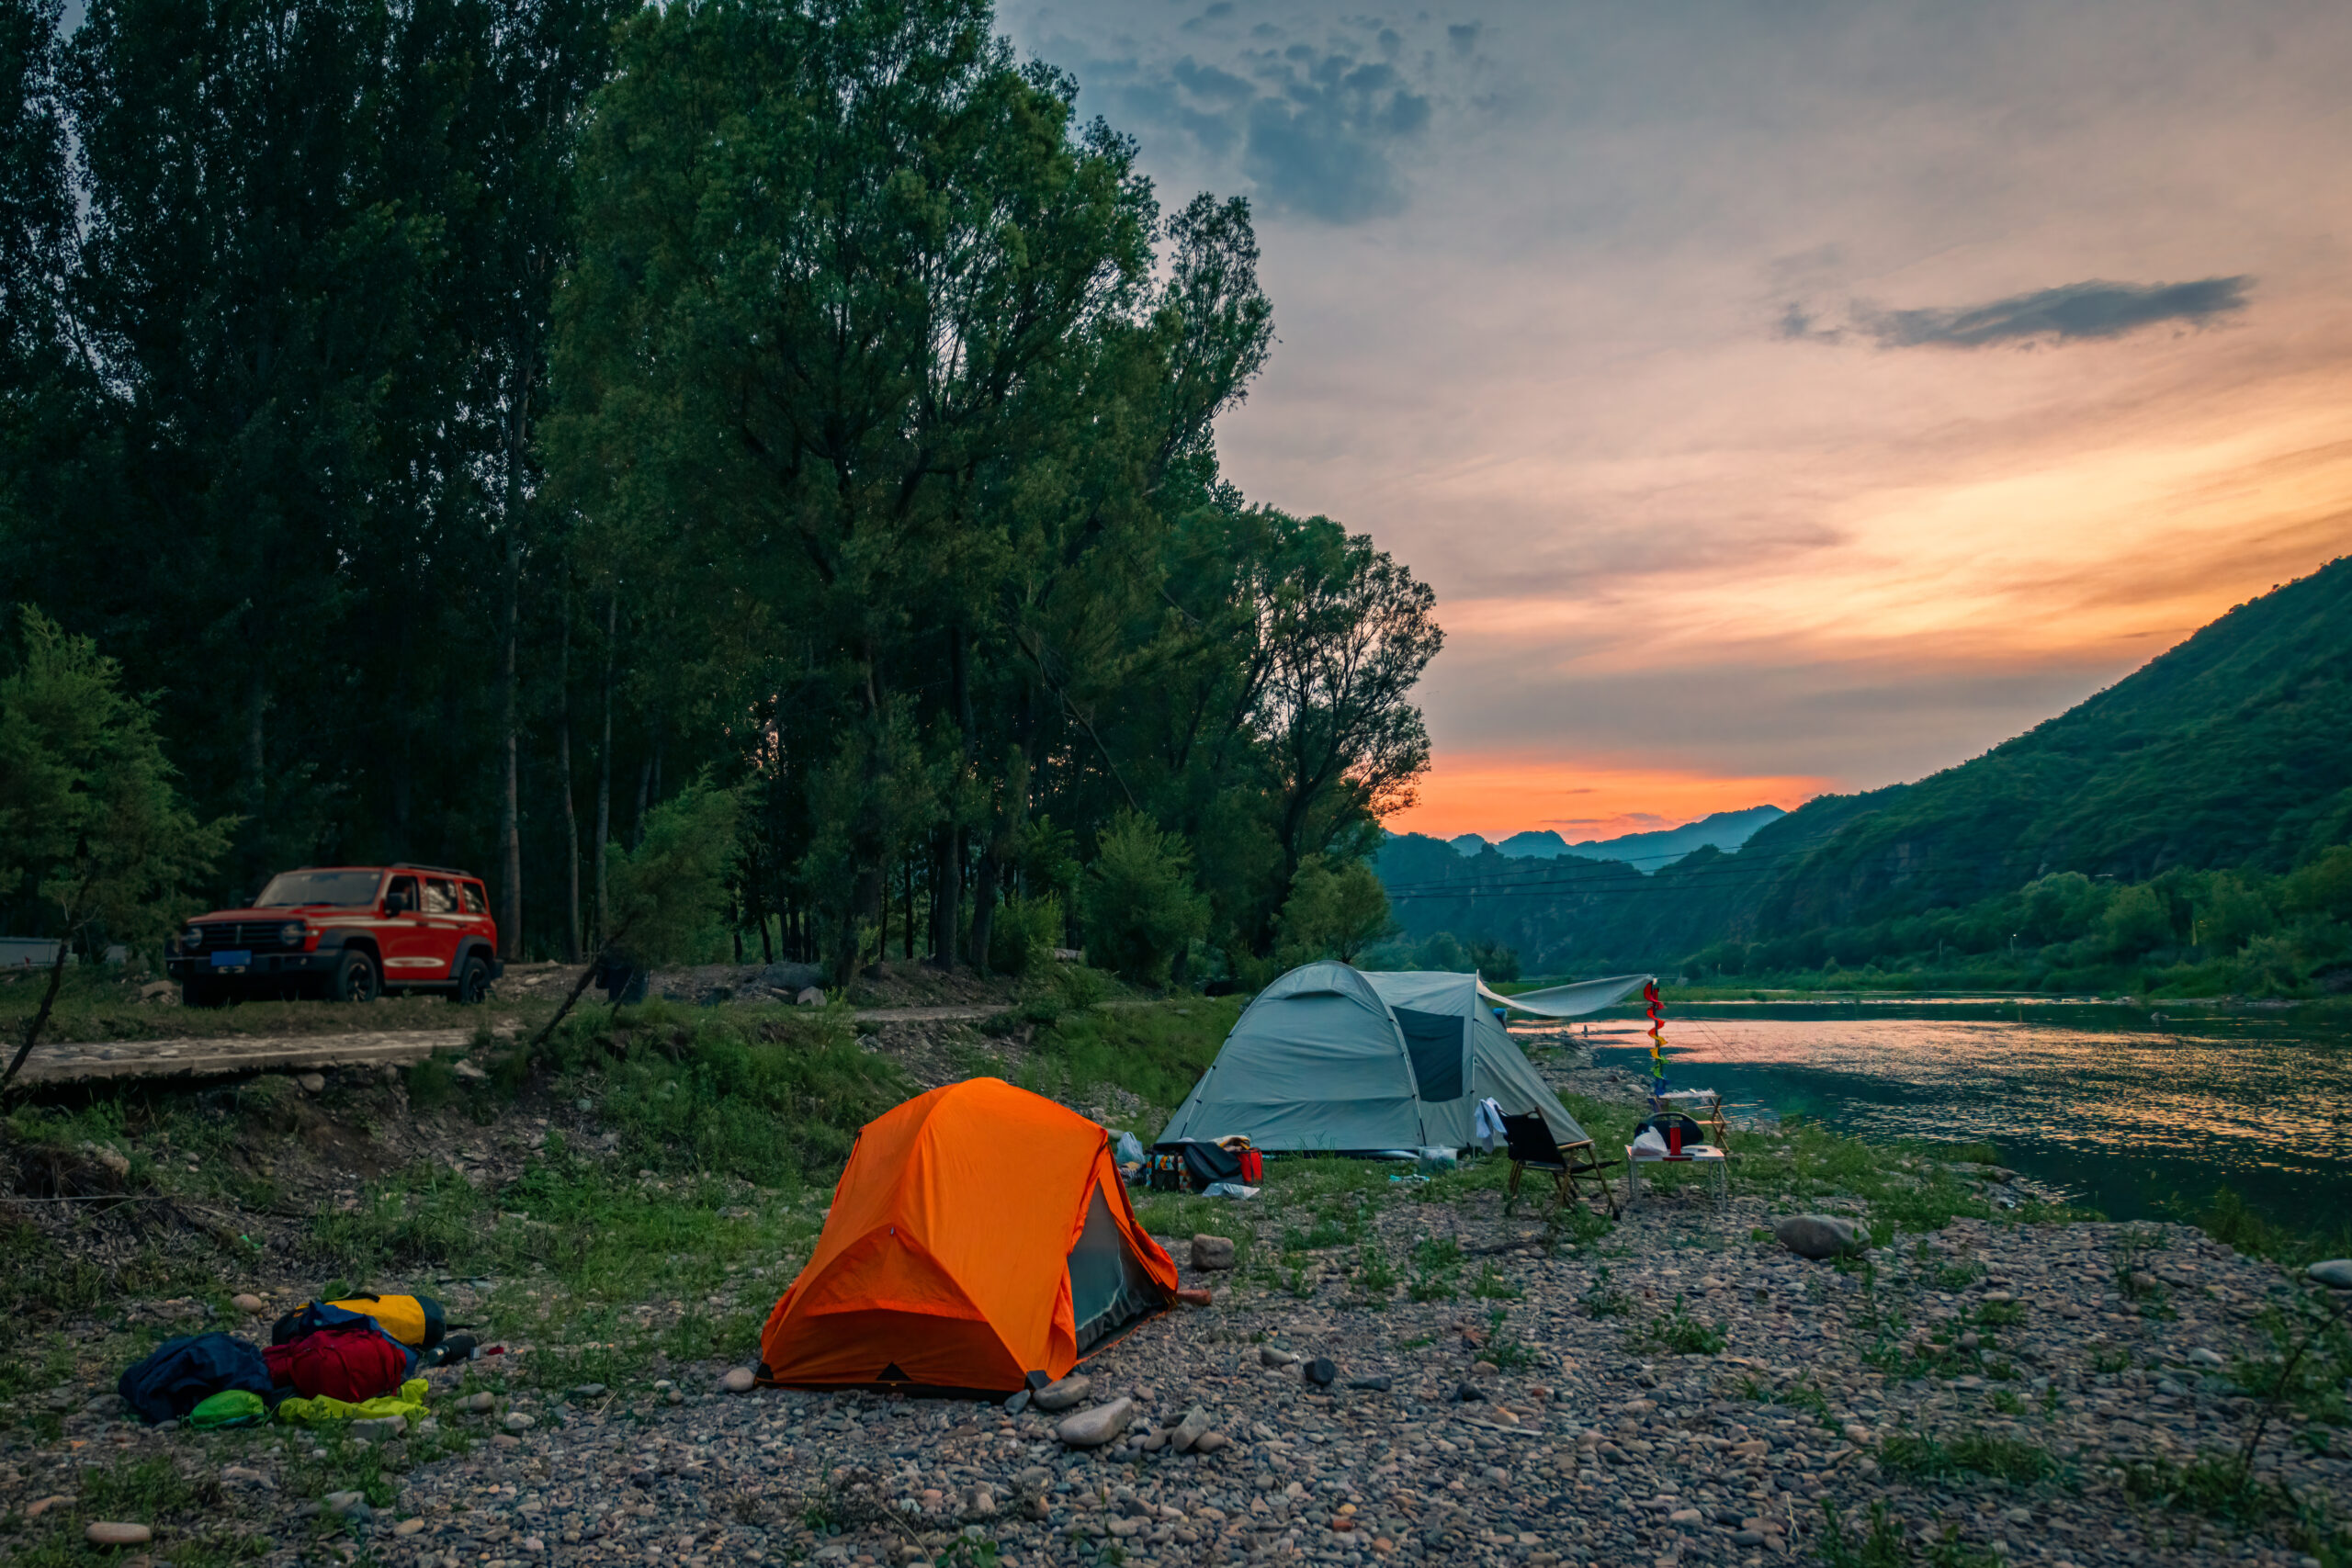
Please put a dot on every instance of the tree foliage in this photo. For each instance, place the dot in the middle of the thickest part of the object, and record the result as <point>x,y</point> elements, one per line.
<point>476,419</point>
<point>91,826</point>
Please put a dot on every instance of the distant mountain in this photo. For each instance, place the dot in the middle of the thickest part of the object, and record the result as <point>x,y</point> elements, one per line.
<point>2232,749</point>
<point>1646,851</point>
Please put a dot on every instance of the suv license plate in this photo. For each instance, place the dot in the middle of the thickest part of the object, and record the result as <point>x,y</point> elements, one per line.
<point>233,958</point>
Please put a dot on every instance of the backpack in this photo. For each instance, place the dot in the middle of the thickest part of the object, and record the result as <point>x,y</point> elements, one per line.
<point>415,1320</point>
<point>183,1373</point>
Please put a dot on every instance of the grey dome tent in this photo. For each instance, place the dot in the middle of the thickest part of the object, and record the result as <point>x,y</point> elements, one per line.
<point>1332,1058</point>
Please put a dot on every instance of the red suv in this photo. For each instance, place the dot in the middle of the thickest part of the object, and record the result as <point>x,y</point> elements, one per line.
<point>347,933</point>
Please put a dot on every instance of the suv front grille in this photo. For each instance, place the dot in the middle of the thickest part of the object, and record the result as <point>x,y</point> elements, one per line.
<point>252,936</point>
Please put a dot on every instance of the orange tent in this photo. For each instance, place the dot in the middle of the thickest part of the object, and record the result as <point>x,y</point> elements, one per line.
<point>980,1233</point>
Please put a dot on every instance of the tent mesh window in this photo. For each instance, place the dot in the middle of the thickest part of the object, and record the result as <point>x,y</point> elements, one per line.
<point>1435,1042</point>
<point>1108,1287</point>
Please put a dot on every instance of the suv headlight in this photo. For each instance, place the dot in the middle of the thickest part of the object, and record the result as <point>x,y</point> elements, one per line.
<point>291,934</point>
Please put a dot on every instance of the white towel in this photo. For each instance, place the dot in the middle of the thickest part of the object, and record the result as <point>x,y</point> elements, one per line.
<point>1486,1125</point>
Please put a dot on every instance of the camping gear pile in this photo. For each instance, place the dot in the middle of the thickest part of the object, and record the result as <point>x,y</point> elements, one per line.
<point>339,1359</point>
<point>980,1237</point>
<point>1186,1165</point>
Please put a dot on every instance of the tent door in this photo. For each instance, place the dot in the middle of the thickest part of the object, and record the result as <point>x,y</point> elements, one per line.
<point>1108,1287</point>
<point>1434,1040</point>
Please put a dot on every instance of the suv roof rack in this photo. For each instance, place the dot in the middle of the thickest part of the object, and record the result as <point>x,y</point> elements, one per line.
<point>419,865</point>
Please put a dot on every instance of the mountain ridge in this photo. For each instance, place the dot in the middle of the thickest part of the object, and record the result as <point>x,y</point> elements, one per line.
<point>1650,849</point>
<point>2232,749</point>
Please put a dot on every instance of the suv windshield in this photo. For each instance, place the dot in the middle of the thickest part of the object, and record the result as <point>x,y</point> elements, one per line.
<point>352,890</point>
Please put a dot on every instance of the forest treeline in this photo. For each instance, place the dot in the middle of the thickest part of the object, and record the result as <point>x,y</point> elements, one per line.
<point>471,423</point>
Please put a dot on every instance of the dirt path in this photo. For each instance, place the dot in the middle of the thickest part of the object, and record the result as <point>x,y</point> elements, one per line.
<point>66,1062</point>
<point>944,1014</point>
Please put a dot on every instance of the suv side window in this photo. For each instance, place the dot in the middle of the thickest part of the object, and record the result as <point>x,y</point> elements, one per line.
<point>400,893</point>
<point>470,895</point>
<point>440,896</point>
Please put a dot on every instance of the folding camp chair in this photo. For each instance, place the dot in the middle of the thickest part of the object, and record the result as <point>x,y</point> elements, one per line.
<point>1533,1148</point>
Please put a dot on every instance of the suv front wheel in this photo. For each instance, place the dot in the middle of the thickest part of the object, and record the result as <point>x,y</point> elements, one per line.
<point>473,982</point>
<point>355,978</point>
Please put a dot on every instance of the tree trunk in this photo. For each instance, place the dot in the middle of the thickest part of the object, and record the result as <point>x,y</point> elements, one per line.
<point>510,819</point>
<point>644,784</point>
<point>910,912</point>
<point>605,767</point>
<point>759,909</point>
<point>563,767</point>
<point>39,1020</point>
<point>256,777</point>
<point>983,908</point>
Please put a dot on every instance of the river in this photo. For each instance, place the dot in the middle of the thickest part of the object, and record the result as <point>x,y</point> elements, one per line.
<point>2139,1121</point>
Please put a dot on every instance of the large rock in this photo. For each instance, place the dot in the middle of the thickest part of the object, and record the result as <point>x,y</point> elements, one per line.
<point>1189,1430</point>
<point>378,1428</point>
<point>791,977</point>
<point>1063,1395</point>
<point>112,1532</point>
<point>1820,1235</point>
<point>811,997</point>
<point>1212,1252</point>
<point>2335,1271</point>
<point>739,1380</point>
<point>1093,1427</point>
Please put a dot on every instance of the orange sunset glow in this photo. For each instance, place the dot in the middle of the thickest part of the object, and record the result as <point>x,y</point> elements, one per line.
<point>1496,795</point>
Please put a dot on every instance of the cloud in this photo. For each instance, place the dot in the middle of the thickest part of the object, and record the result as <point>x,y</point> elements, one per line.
<point>1320,145</point>
<point>1462,36</point>
<point>2073,312</point>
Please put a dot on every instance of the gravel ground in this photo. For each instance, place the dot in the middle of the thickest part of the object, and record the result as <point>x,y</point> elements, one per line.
<point>1571,1445</point>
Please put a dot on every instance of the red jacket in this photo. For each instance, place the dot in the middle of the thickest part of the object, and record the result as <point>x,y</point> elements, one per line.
<point>345,1361</point>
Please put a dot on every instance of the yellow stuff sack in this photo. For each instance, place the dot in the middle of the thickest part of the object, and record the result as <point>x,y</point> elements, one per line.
<point>414,1321</point>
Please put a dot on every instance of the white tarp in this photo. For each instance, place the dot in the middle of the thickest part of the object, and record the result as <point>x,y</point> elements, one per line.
<point>1570,1001</point>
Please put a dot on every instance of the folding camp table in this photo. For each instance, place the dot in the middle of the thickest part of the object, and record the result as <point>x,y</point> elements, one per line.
<point>1704,1105</point>
<point>1717,1161</point>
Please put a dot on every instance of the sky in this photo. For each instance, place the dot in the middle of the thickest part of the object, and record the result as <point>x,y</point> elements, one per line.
<point>1781,397</point>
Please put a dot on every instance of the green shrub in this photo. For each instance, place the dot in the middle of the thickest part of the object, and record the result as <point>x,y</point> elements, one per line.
<point>1024,935</point>
<point>1335,910</point>
<point>1139,907</point>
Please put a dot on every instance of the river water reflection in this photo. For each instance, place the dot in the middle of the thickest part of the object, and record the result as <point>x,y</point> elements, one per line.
<point>2139,1122</point>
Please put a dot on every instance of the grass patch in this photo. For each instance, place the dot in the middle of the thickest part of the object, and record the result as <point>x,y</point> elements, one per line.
<point>1603,1298</point>
<point>2012,1460</point>
<point>1506,1350</point>
<point>1886,1545</point>
<point>1677,1332</point>
<point>1490,1286</point>
<point>1156,1051</point>
<point>1437,1269</point>
<point>185,1511</point>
